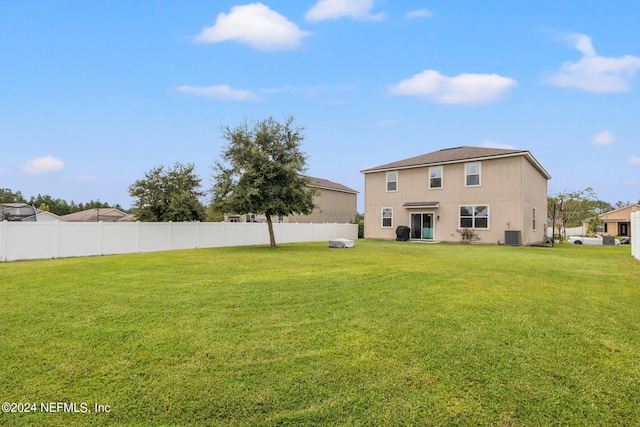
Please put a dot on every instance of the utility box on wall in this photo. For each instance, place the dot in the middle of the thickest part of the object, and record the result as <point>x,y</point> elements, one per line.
<point>513,237</point>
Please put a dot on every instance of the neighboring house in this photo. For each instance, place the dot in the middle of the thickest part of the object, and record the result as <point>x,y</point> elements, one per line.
<point>99,214</point>
<point>335,203</point>
<point>25,212</point>
<point>615,223</point>
<point>489,190</point>
<point>44,216</point>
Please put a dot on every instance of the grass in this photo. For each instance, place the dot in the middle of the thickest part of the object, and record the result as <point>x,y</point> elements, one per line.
<point>387,333</point>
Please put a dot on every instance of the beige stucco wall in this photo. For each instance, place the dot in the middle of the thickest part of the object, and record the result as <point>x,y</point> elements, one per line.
<point>331,206</point>
<point>511,187</point>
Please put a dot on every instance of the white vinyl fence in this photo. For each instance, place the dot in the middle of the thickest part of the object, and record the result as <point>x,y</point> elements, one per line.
<point>635,234</point>
<point>42,240</point>
<point>570,231</point>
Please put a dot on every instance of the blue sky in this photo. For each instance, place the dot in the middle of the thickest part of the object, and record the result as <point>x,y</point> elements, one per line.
<point>94,94</point>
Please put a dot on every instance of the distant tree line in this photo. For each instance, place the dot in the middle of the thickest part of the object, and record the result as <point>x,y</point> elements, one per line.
<point>48,203</point>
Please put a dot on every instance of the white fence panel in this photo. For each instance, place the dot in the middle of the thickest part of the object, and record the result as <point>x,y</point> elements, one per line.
<point>570,231</point>
<point>635,234</point>
<point>212,234</point>
<point>28,240</point>
<point>119,237</point>
<point>184,235</point>
<point>78,239</point>
<point>41,240</point>
<point>154,236</point>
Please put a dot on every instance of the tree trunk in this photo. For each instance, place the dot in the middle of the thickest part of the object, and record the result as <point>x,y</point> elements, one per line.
<point>272,237</point>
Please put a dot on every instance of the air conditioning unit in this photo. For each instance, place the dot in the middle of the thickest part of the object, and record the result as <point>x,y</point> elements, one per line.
<point>513,237</point>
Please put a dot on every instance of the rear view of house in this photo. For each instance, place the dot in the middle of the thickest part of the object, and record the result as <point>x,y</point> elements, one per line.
<point>496,192</point>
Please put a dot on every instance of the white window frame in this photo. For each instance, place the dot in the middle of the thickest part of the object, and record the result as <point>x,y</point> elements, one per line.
<point>394,181</point>
<point>441,177</point>
<point>467,174</point>
<point>473,217</point>
<point>383,217</point>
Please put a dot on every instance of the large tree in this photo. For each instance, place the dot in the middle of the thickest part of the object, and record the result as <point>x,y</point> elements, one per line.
<point>260,172</point>
<point>168,194</point>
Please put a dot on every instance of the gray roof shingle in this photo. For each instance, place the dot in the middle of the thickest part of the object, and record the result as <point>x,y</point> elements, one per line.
<point>456,155</point>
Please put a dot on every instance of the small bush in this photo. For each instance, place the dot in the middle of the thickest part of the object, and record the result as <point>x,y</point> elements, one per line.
<point>467,235</point>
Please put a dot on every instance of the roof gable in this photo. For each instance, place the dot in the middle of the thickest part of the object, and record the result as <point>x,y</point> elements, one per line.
<point>94,214</point>
<point>612,214</point>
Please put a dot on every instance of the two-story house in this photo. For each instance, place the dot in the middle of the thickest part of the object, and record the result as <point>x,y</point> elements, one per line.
<point>489,190</point>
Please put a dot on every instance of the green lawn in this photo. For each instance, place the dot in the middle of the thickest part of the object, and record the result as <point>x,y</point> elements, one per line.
<point>387,333</point>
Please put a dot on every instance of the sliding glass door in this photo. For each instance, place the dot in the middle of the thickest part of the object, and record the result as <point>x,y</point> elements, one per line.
<point>422,226</point>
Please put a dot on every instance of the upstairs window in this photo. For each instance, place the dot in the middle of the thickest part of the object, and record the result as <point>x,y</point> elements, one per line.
<point>474,217</point>
<point>472,174</point>
<point>435,177</point>
<point>392,181</point>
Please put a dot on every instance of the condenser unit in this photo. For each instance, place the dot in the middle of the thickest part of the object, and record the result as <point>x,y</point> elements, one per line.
<point>513,237</point>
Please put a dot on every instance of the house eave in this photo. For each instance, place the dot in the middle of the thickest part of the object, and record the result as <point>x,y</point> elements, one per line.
<point>421,205</point>
<point>333,189</point>
<point>526,154</point>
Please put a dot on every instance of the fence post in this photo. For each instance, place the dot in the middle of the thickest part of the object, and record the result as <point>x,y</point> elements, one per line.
<point>100,238</point>
<point>635,234</point>
<point>137,239</point>
<point>4,241</point>
<point>56,239</point>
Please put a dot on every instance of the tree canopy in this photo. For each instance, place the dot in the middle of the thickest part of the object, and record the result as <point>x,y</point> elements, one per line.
<point>261,171</point>
<point>168,194</point>
<point>8,196</point>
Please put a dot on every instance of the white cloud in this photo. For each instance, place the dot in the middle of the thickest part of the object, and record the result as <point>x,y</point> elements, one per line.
<point>635,160</point>
<point>256,25</point>
<point>595,73</point>
<point>223,92</point>
<point>465,88</point>
<point>491,144</point>
<point>43,165</point>
<point>604,138</point>
<point>307,92</point>
<point>334,9</point>
<point>421,13</point>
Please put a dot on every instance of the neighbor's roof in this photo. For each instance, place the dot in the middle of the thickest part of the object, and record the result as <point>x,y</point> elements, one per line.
<point>103,214</point>
<point>330,185</point>
<point>458,155</point>
<point>615,211</point>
